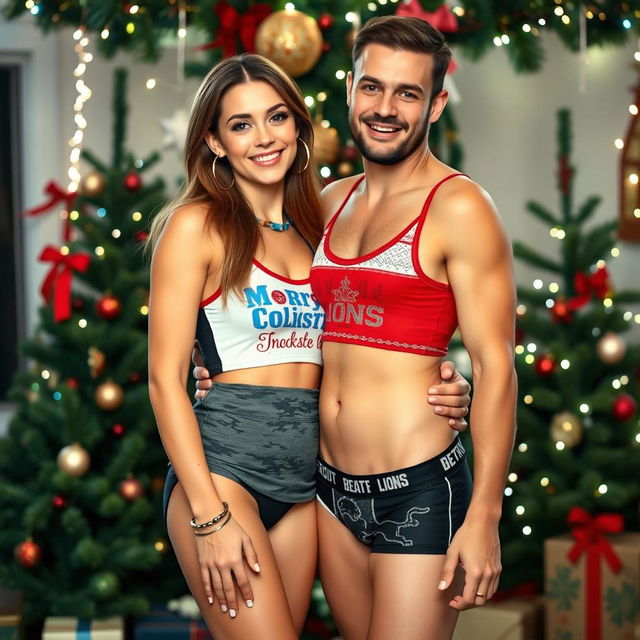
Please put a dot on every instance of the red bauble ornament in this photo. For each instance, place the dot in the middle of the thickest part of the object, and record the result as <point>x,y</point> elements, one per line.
<point>325,21</point>
<point>108,307</point>
<point>71,382</point>
<point>141,236</point>
<point>117,430</point>
<point>28,554</point>
<point>59,502</point>
<point>132,181</point>
<point>130,489</point>
<point>624,407</point>
<point>544,365</point>
<point>561,312</point>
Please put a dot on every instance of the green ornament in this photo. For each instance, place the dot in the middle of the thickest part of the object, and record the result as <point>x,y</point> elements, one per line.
<point>104,585</point>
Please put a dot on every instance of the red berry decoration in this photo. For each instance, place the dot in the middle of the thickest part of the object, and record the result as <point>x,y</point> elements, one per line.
<point>325,21</point>
<point>131,489</point>
<point>141,236</point>
<point>28,554</point>
<point>624,407</point>
<point>71,382</point>
<point>117,430</point>
<point>59,502</point>
<point>108,307</point>
<point>544,366</point>
<point>132,181</point>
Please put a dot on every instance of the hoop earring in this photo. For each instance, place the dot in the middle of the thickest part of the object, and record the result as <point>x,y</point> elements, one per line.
<point>213,172</point>
<point>306,164</point>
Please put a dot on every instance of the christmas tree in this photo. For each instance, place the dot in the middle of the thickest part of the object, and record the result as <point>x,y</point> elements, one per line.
<point>81,468</point>
<point>578,441</point>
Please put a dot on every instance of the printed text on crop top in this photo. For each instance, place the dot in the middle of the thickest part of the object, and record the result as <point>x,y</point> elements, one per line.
<point>278,321</point>
<point>383,299</point>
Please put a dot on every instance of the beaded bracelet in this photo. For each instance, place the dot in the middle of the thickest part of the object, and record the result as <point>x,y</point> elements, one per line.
<point>213,520</point>
<point>208,533</point>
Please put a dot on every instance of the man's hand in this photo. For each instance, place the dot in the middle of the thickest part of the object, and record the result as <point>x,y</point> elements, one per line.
<point>451,398</point>
<point>203,379</point>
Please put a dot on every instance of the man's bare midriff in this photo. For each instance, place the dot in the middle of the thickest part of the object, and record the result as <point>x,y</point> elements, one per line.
<point>374,413</point>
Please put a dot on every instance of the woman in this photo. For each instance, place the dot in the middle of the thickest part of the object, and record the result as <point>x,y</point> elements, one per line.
<point>231,265</point>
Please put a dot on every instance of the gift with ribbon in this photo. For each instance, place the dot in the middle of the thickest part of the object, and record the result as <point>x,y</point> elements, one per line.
<point>57,195</point>
<point>56,628</point>
<point>592,579</point>
<point>161,624</point>
<point>57,283</point>
<point>234,26</point>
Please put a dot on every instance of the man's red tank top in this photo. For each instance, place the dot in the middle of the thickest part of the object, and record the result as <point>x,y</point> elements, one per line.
<point>384,299</point>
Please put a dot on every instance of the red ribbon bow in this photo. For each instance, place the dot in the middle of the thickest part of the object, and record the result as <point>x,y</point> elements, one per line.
<point>442,19</point>
<point>586,286</point>
<point>588,533</point>
<point>234,25</point>
<point>57,282</point>
<point>56,195</point>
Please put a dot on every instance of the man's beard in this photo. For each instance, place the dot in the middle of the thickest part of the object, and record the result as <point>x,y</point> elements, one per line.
<point>391,156</point>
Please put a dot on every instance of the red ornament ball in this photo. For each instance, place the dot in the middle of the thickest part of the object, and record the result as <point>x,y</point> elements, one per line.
<point>624,407</point>
<point>141,236</point>
<point>108,307</point>
<point>72,382</point>
<point>28,554</point>
<point>131,489</point>
<point>561,312</point>
<point>326,21</point>
<point>117,430</point>
<point>544,366</point>
<point>132,181</point>
<point>59,502</point>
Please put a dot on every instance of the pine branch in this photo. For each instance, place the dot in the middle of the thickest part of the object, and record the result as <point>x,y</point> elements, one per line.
<point>532,257</point>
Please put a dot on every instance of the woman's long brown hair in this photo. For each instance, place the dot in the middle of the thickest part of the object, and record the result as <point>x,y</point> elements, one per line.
<point>229,212</point>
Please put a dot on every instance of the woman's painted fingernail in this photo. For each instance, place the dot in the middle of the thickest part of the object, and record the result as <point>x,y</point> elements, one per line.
<point>249,603</point>
<point>210,599</point>
<point>232,613</point>
<point>443,585</point>
<point>224,608</point>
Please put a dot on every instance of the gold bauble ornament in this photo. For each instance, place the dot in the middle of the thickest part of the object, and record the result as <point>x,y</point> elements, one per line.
<point>74,460</point>
<point>92,184</point>
<point>109,396</point>
<point>326,144</point>
<point>611,348</point>
<point>291,39</point>
<point>96,361</point>
<point>566,428</point>
<point>345,169</point>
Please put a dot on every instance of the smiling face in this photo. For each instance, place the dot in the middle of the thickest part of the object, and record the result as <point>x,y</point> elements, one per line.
<point>389,103</point>
<point>256,132</point>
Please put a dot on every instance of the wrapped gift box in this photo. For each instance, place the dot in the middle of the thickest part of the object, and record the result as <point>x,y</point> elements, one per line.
<point>10,614</point>
<point>56,628</point>
<point>161,624</point>
<point>577,607</point>
<point>513,619</point>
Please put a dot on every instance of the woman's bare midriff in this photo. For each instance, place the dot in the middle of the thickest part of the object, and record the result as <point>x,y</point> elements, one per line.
<point>374,412</point>
<point>299,375</point>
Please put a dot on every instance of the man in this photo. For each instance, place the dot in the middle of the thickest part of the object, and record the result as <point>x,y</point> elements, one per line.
<point>411,250</point>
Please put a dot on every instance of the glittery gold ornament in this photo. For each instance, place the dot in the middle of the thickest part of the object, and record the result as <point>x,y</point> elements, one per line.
<point>326,144</point>
<point>96,361</point>
<point>611,348</point>
<point>131,489</point>
<point>109,396</point>
<point>92,184</point>
<point>291,39</point>
<point>74,460</point>
<point>566,428</point>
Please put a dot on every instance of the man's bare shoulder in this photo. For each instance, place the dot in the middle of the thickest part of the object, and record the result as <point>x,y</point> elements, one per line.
<point>463,201</point>
<point>334,194</point>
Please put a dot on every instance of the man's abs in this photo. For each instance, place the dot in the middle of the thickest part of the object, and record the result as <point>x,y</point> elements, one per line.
<point>374,413</point>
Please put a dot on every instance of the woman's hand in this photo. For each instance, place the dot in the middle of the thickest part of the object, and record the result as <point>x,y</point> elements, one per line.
<point>476,547</point>
<point>203,379</point>
<point>224,556</point>
<point>450,398</point>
